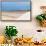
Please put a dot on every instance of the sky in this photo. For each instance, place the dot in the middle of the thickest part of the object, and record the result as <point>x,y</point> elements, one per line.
<point>17,0</point>
<point>12,6</point>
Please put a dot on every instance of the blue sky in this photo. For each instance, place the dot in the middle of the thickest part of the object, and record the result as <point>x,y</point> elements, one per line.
<point>13,6</point>
<point>17,0</point>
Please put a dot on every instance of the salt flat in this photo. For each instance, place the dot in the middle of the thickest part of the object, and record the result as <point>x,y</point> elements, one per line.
<point>13,15</point>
